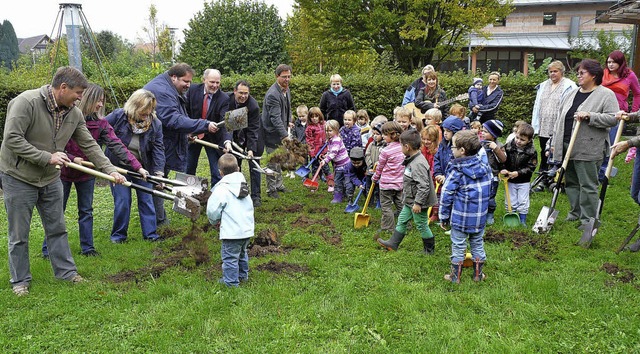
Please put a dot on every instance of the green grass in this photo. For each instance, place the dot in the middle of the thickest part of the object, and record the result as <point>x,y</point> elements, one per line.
<point>354,297</point>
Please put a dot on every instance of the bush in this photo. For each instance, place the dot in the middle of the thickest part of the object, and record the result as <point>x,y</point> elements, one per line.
<point>378,94</point>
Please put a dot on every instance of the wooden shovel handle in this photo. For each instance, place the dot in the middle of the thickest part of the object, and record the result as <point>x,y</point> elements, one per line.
<point>572,142</point>
<point>615,141</point>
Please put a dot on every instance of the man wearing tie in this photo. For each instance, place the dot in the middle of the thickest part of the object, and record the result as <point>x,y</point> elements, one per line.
<point>207,101</point>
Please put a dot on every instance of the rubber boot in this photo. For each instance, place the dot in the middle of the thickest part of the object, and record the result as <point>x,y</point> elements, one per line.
<point>392,243</point>
<point>429,245</point>
<point>523,219</point>
<point>456,271</point>
<point>490,219</point>
<point>635,247</point>
<point>337,198</point>
<point>350,199</point>
<point>478,275</point>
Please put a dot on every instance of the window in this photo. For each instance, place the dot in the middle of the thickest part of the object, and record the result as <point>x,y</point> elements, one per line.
<point>549,19</point>
<point>500,22</point>
<point>600,13</point>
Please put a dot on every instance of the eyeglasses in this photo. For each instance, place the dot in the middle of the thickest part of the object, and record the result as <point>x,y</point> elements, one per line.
<point>454,147</point>
<point>582,72</point>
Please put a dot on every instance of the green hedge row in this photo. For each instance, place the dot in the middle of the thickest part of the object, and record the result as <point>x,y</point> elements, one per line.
<point>377,93</point>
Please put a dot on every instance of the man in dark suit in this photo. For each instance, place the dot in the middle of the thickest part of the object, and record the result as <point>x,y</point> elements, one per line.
<point>249,138</point>
<point>169,89</point>
<point>276,116</point>
<point>207,101</point>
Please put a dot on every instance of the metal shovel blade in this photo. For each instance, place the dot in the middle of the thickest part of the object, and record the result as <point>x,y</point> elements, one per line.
<point>589,231</point>
<point>545,220</point>
<point>237,119</point>
<point>353,207</point>
<point>195,185</point>
<point>186,205</point>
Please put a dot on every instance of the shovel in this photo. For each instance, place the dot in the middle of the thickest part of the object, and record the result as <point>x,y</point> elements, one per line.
<point>236,119</point>
<point>353,207</point>
<point>362,219</point>
<point>548,215</point>
<point>591,227</point>
<point>182,204</point>
<point>267,171</point>
<point>509,219</point>
<point>303,171</point>
<point>312,183</point>
<point>628,239</point>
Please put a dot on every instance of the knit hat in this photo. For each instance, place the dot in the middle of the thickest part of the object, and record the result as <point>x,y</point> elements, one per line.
<point>378,127</point>
<point>356,153</point>
<point>494,127</point>
<point>453,123</point>
<point>476,80</point>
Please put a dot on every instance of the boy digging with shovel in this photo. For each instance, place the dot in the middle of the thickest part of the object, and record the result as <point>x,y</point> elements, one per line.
<point>418,195</point>
<point>464,203</point>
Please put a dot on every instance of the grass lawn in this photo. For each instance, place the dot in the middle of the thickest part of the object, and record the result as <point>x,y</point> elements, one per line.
<point>328,288</point>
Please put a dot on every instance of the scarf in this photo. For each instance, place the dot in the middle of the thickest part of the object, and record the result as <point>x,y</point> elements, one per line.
<point>140,126</point>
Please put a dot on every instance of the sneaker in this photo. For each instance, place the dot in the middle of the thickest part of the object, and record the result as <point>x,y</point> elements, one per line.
<point>92,253</point>
<point>21,290</point>
<point>121,240</point>
<point>273,194</point>
<point>76,279</point>
<point>257,202</point>
<point>448,232</point>
<point>330,189</point>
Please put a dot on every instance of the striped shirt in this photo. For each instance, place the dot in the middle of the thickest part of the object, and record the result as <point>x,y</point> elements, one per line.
<point>390,170</point>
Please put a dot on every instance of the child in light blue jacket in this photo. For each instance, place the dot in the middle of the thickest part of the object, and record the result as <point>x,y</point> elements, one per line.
<point>229,205</point>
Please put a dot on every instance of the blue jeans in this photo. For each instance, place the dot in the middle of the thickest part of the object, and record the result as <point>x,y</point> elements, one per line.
<point>19,200</point>
<point>459,245</point>
<point>122,211</point>
<point>235,261</point>
<point>340,186</point>
<point>84,191</point>
<point>193,154</point>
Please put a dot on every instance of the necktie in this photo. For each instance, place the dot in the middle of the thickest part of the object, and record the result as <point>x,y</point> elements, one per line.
<point>205,108</point>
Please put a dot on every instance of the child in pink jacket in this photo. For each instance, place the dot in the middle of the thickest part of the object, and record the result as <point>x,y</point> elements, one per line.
<point>389,174</point>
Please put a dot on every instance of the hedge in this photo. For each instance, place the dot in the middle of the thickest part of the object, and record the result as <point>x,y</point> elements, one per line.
<point>377,93</point>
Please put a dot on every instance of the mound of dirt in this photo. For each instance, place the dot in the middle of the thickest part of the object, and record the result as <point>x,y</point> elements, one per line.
<point>495,236</point>
<point>283,267</point>
<point>318,210</point>
<point>266,237</point>
<point>332,237</point>
<point>257,251</point>
<point>303,222</point>
<point>620,274</point>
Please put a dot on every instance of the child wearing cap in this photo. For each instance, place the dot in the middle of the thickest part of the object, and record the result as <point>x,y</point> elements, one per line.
<point>355,172</point>
<point>491,131</point>
<point>475,96</point>
<point>451,125</point>
<point>522,160</point>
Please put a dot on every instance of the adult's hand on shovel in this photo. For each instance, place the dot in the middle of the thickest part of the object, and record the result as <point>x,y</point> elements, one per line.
<point>59,158</point>
<point>619,148</point>
<point>119,179</point>
<point>144,173</point>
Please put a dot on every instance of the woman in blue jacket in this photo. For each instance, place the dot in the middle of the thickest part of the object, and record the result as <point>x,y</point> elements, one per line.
<point>139,129</point>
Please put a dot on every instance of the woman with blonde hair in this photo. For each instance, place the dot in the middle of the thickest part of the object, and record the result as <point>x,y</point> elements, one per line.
<point>336,100</point>
<point>141,131</point>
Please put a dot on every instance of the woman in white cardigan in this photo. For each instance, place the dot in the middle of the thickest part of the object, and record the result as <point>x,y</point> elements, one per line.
<point>595,106</point>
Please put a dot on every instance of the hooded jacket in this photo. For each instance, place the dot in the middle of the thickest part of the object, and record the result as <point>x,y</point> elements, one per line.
<point>465,194</point>
<point>229,204</point>
<point>333,106</point>
<point>417,182</point>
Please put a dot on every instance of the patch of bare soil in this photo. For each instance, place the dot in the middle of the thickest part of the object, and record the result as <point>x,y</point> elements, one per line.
<point>495,236</point>
<point>167,232</point>
<point>619,274</point>
<point>283,267</point>
<point>318,210</point>
<point>191,252</point>
<point>303,222</point>
<point>266,243</point>
<point>332,237</point>
<point>294,208</point>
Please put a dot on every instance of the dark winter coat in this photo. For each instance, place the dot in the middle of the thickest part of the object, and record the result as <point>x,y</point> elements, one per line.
<point>251,137</point>
<point>490,103</point>
<point>276,115</point>
<point>333,107</point>
<point>524,161</point>
<point>426,102</point>
<point>218,107</point>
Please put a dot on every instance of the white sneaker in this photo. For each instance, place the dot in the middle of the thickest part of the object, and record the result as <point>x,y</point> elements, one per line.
<point>330,189</point>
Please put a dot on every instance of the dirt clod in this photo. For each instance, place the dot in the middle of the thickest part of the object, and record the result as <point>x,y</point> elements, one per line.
<point>495,236</point>
<point>283,267</point>
<point>266,237</point>
<point>291,155</point>
<point>294,208</point>
<point>332,237</point>
<point>620,274</point>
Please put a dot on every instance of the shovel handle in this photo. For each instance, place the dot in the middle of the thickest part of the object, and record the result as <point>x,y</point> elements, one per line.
<point>615,141</point>
<point>139,175</point>
<point>506,192</point>
<point>572,142</point>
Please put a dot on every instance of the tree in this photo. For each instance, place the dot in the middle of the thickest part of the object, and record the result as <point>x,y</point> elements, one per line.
<point>311,52</point>
<point>111,44</point>
<point>241,37</point>
<point>417,32</point>
<point>600,46</point>
<point>9,51</point>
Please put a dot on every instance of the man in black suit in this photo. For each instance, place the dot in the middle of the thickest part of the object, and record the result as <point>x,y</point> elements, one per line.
<point>249,138</point>
<point>276,116</point>
<point>212,109</point>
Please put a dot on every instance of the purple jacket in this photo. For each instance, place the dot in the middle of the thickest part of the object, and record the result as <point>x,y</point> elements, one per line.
<point>355,175</point>
<point>351,137</point>
<point>337,153</point>
<point>103,133</point>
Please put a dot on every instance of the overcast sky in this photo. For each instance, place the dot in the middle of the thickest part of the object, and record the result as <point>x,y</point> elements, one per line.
<point>124,17</point>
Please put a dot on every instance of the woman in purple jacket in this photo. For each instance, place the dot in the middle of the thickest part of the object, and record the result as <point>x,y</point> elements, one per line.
<point>92,107</point>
